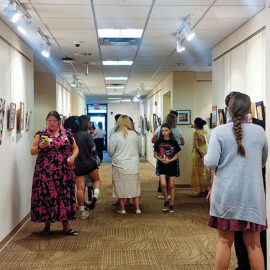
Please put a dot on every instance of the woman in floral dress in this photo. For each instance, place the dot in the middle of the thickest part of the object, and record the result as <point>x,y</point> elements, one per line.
<point>53,191</point>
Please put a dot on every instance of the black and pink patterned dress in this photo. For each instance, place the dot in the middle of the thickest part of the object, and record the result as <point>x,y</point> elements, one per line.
<point>53,192</point>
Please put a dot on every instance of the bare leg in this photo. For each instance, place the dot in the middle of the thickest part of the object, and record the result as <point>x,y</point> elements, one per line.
<point>80,189</point>
<point>223,252</point>
<point>94,176</point>
<point>122,203</point>
<point>66,226</point>
<point>137,202</point>
<point>172,190</point>
<point>253,245</point>
<point>163,187</point>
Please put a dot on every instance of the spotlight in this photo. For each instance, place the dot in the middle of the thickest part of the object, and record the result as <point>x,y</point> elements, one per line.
<point>22,30</point>
<point>188,33</point>
<point>15,11</point>
<point>46,51</point>
<point>75,82</point>
<point>179,46</point>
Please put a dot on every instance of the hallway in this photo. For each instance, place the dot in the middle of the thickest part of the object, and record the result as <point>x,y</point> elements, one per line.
<point>106,240</point>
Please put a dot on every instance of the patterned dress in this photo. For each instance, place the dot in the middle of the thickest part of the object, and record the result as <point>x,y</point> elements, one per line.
<point>53,191</point>
<point>199,176</point>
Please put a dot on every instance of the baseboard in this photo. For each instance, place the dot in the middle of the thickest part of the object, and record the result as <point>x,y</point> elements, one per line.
<point>14,231</point>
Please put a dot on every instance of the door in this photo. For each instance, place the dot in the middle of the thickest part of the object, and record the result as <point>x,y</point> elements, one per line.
<point>100,117</point>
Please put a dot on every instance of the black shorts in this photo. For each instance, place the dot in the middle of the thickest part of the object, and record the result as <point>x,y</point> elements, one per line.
<point>86,171</point>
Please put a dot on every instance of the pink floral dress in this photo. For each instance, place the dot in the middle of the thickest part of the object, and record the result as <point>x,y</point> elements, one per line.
<point>53,191</point>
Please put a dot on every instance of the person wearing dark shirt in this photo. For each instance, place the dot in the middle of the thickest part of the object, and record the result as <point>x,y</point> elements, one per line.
<point>166,152</point>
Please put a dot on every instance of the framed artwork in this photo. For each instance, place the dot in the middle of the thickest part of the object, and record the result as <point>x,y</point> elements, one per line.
<point>22,115</point>
<point>155,122</point>
<point>2,115</point>
<point>27,120</point>
<point>260,111</point>
<point>253,106</point>
<point>150,123</point>
<point>221,117</point>
<point>227,115</point>
<point>210,123</point>
<point>159,121</point>
<point>214,116</point>
<point>61,120</point>
<point>147,127</point>
<point>11,116</point>
<point>184,117</point>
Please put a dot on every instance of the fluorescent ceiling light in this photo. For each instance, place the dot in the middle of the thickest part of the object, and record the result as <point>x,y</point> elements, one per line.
<point>115,94</point>
<point>117,63</point>
<point>120,33</point>
<point>22,30</point>
<point>115,87</point>
<point>113,98</point>
<point>116,78</point>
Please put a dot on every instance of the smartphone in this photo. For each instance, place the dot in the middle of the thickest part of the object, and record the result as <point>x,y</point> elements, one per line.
<point>45,139</point>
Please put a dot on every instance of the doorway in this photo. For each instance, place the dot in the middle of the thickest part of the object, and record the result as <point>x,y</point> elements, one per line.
<point>166,104</point>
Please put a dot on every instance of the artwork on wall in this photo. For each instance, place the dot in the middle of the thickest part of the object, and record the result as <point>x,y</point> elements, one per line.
<point>27,120</point>
<point>260,111</point>
<point>20,118</point>
<point>159,121</point>
<point>150,123</point>
<point>2,115</point>
<point>147,127</point>
<point>253,106</point>
<point>214,116</point>
<point>11,116</point>
<point>227,115</point>
<point>183,117</point>
<point>155,122</point>
<point>61,120</point>
<point>221,116</point>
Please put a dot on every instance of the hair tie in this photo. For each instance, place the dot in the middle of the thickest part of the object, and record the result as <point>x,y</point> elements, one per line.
<point>239,142</point>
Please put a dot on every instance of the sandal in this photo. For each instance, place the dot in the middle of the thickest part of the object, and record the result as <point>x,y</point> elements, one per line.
<point>46,230</point>
<point>71,232</point>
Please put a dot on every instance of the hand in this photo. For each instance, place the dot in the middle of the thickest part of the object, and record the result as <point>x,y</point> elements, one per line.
<point>43,145</point>
<point>208,197</point>
<point>71,160</point>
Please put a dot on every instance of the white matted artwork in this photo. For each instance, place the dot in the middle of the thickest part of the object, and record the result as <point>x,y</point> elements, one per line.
<point>2,115</point>
<point>183,117</point>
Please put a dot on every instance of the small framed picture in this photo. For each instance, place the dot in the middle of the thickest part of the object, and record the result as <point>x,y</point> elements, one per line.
<point>11,116</point>
<point>260,110</point>
<point>214,116</point>
<point>27,120</point>
<point>221,117</point>
<point>227,115</point>
<point>184,117</point>
<point>20,118</point>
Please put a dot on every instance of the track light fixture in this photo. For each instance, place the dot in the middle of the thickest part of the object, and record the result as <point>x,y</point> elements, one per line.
<point>75,82</point>
<point>46,51</point>
<point>179,45</point>
<point>15,11</point>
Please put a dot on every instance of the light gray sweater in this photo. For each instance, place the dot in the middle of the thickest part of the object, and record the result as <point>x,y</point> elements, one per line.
<point>238,191</point>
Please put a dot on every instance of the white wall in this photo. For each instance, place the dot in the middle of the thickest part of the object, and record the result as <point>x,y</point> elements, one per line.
<point>16,76</point>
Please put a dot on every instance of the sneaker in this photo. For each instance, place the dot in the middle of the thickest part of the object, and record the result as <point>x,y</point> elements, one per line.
<point>138,211</point>
<point>93,203</point>
<point>84,214</point>
<point>171,209</point>
<point>166,206</point>
<point>121,212</point>
<point>162,197</point>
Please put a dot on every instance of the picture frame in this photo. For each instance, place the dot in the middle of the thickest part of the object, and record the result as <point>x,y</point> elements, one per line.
<point>20,118</point>
<point>183,117</point>
<point>27,120</point>
<point>227,115</point>
<point>11,116</point>
<point>253,109</point>
<point>260,110</point>
<point>221,116</point>
<point>2,116</point>
<point>155,122</point>
<point>214,116</point>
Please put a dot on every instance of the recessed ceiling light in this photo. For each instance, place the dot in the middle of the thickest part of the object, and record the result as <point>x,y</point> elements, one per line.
<point>120,33</point>
<point>115,94</point>
<point>114,98</point>
<point>117,63</point>
<point>115,87</point>
<point>116,78</point>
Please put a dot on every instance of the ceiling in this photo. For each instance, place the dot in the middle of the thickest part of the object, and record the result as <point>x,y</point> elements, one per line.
<point>66,21</point>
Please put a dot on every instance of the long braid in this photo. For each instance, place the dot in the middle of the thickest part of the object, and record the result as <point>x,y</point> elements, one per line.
<point>237,129</point>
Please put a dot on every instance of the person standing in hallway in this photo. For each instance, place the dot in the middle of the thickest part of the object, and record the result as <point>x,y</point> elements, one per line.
<point>238,151</point>
<point>240,248</point>
<point>166,152</point>
<point>116,117</point>
<point>53,191</point>
<point>91,128</point>
<point>99,140</point>
<point>124,148</point>
<point>199,149</point>
<point>86,162</point>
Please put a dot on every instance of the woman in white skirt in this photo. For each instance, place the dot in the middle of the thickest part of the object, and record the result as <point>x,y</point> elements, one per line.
<point>124,149</point>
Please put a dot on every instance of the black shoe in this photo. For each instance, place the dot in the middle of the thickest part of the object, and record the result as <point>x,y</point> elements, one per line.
<point>93,203</point>
<point>171,209</point>
<point>166,206</point>
<point>205,194</point>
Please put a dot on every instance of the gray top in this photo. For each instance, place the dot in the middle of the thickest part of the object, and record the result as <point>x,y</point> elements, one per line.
<point>238,191</point>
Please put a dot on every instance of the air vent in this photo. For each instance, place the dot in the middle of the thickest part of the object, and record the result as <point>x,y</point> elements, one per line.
<point>115,85</point>
<point>83,54</point>
<point>67,60</point>
<point>119,41</point>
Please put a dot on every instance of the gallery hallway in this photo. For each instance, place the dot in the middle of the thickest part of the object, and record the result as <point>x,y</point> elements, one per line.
<point>107,240</point>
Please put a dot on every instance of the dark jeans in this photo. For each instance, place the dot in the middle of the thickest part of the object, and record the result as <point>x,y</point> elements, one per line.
<point>241,251</point>
<point>99,146</point>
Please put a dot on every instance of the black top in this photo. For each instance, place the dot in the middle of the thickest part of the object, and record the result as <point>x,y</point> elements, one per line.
<point>167,148</point>
<point>86,158</point>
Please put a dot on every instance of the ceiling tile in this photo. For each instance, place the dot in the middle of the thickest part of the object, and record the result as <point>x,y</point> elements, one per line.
<point>70,23</point>
<point>240,2</point>
<point>118,23</point>
<point>183,2</point>
<point>122,2</point>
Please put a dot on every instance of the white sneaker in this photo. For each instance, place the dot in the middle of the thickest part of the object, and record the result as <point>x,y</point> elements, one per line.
<point>162,197</point>
<point>121,212</point>
<point>84,214</point>
<point>138,211</point>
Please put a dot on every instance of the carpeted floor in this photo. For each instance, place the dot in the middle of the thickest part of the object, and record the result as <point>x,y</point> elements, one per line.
<point>154,240</point>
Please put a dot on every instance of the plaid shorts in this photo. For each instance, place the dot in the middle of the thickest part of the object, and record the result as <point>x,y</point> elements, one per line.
<point>177,164</point>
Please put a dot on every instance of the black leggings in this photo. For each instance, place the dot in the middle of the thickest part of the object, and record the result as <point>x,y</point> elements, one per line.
<point>99,146</point>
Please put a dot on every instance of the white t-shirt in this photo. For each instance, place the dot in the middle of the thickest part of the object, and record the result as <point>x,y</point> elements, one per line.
<point>177,133</point>
<point>99,133</point>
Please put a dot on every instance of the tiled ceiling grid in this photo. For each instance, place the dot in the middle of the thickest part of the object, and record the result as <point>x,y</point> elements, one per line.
<point>66,21</point>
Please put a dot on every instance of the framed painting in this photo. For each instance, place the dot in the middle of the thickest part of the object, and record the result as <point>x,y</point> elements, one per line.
<point>183,117</point>
<point>27,120</point>
<point>214,116</point>
<point>260,111</point>
<point>11,116</point>
<point>21,115</point>
<point>227,115</point>
<point>221,116</point>
<point>2,115</point>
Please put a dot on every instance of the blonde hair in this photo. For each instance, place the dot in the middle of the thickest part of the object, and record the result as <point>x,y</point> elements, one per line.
<point>123,124</point>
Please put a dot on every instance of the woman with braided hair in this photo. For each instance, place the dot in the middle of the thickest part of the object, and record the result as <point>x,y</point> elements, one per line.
<point>238,151</point>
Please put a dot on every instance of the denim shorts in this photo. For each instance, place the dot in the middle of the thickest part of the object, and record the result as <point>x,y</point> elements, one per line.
<point>178,168</point>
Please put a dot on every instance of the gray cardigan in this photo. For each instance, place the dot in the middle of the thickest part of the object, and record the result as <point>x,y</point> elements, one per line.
<point>238,191</point>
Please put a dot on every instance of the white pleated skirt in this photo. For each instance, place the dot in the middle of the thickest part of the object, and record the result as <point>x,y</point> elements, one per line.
<point>125,185</point>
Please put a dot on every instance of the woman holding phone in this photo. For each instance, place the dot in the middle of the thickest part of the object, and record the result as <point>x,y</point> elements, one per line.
<point>53,191</point>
